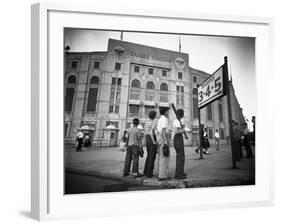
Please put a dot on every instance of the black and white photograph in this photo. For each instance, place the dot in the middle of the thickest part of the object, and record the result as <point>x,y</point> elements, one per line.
<point>155,111</point>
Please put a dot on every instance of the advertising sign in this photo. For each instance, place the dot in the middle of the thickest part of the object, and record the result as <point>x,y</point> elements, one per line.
<point>211,89</point>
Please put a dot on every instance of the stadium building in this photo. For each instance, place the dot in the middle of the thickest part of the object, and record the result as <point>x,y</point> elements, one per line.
<point>104,91</point>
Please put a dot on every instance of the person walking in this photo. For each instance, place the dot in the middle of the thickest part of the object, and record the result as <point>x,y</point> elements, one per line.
<point>134,150</point>
<point>151,147</point>
<point>163,142</point>
<point>123,142</point>
<point>237,141</point>
<point>178,128</point>
<point>217,139</point>
<point>246,141</point>
<point>206,143</point>
<point>79,139</point>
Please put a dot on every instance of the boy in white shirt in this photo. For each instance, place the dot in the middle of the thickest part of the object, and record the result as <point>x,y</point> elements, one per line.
<point>217,139</point>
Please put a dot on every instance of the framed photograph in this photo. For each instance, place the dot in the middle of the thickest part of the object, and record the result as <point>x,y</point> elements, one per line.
<point>162,111</point>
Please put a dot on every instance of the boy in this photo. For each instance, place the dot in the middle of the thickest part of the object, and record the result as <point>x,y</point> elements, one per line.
<point>179,145</point>
<point>217,139</point>
<point>134,150</point>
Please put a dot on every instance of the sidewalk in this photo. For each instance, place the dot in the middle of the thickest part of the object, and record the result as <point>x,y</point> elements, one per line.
<point>213,170</point>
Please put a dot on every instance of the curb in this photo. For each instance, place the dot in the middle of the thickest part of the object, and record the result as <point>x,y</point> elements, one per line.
<point>167,184</point>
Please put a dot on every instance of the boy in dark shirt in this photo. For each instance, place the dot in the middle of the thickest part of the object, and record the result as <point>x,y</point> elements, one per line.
<point>134,150</point>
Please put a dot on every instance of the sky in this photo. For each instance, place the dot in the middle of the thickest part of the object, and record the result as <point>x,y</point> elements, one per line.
<point>206,53</point>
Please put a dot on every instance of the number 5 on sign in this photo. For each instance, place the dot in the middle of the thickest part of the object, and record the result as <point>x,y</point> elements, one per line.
<point>211,89</point>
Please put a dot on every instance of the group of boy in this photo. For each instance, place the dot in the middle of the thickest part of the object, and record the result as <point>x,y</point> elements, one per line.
<point>135,147</point>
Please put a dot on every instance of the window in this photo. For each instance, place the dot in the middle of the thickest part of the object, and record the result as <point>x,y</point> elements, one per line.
<point>93,94</point>
<point>115,95</point>
<point>150,71</point>
<point>136,83</point>
<point>164,73</point>
<point>92,99</point>
<point>114,123</point>
<point>137,69</point>
<point>194,79</point>
<point>71,79</point>
<point>180,95</point>
<point>179,75</point>
<point>210,133</point>
<point>220,113</point>
<point>195,102</point>
<point>69,99</point>
<point>117,66</point>
<point>221,134</point>
<point>96,65</point>
<point>164,87</point>
<point>65,129</point>
<point>209,112</point>
<point>134,109</point>
<point>119,82</point>
<point>150,85</point>
<point>111,108</point>
<point>74,64</point>
<point>69,93</point>
<point>113,81</point>
<point>94,80</point>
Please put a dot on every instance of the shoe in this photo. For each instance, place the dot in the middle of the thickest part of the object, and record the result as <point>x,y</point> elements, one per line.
<point>138,175</point>
<point>162,179</point>
<point>180,177</point>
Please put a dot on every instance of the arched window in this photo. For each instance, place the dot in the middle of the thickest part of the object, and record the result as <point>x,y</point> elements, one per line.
<point>71,79</point>
<point>69,93</point>
<point>136,83</point>
<point>93,94</point>
<point>94,80</point>
<point>195,102</point>
<point>150,85</point>
<point>164,87</point>
<point>195,91</point>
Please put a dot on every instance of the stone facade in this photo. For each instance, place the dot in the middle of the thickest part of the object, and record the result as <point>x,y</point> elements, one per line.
<point>106,90</point>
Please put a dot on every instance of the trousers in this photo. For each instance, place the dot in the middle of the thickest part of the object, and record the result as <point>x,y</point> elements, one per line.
<point>133,152</point>
<point>150,158</point>
<point>180,155</point>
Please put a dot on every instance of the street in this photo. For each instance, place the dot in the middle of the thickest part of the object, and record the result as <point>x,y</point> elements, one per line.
<point>100,170</point>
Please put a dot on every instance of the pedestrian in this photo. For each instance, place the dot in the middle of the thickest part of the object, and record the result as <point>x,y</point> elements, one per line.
<point>87,141</point>
<point>123,142</point>
<point>206,143</point>
<point>134,150</point>
<point>201,138</point>
<point>246,141</point>
<point>79,139</point>
<point>179,129</point>
<point>163,142</point>
<point>151,147</point>
<point>217,139</point>
<point>237,141</point>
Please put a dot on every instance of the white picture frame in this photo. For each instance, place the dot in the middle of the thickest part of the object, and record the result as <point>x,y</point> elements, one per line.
<point>48,201</point>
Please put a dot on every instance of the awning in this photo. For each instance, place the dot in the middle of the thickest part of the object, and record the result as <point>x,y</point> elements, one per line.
<point>149,103</point>
<point>85,128</point>
<point>111,127</point>
<point>164,104</point>
<point>134,102</point>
